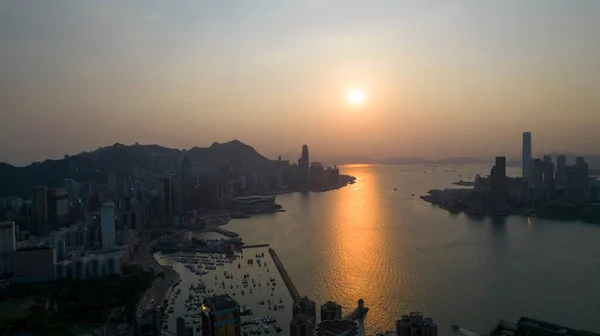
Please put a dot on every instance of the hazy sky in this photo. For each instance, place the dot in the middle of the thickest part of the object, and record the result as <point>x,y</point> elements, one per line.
<point>442,78</point>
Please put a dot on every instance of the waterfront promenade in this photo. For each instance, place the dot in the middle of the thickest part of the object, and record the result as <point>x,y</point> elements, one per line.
<point>284,275</point>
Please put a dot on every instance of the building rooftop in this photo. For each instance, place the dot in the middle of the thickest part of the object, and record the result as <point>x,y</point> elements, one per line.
<point>220,301</point>
<point>336,327</point>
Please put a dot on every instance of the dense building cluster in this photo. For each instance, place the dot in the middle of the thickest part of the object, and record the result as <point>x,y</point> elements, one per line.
<point>545,188</point>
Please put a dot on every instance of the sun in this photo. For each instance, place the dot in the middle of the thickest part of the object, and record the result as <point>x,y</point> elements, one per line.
<point>355,96</point>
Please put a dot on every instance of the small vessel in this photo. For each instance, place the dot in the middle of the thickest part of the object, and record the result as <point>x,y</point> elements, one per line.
<point>454,326</point>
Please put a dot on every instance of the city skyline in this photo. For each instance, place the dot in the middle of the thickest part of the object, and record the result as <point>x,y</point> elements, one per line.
<point>435,76</point>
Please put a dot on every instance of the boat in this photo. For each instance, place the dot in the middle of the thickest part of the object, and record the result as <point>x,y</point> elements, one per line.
<point>454,326</point>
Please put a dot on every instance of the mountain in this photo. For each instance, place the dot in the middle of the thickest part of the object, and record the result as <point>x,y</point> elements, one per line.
<point>122,160</point>
<point>233,152</point>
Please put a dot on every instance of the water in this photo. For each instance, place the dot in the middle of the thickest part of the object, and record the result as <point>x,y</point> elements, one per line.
<point>252,294</point>
<point>402,254</point>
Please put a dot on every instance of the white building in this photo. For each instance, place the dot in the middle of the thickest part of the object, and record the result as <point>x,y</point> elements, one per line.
<point>92,265</point>
<point>107,218</point>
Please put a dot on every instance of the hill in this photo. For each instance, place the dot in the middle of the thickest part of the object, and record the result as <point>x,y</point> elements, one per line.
<point>122,159</point>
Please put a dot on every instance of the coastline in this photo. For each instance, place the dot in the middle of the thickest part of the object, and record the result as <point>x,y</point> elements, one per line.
<point>522,212</point>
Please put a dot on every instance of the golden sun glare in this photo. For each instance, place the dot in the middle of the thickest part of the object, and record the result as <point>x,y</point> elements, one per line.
<point>355,96</point>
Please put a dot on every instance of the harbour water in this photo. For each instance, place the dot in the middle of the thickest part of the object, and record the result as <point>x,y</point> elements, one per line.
<point>262,284</point>
<point>402,254</point>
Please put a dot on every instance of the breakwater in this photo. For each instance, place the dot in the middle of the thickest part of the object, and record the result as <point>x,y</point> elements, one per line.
<point>254,246</point>
<point>286,278</point>
<point>227,233</point>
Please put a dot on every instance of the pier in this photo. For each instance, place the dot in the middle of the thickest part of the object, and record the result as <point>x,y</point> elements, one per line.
<point>357,314</point>
<point>286,278</point>
<point>254,246</point>
<point>227,233</point>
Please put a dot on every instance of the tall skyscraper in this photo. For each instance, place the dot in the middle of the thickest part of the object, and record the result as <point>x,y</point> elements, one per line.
<point>303,169</point>
<point>107,220</point>
<point>526,158</point>
<point>169,196</point>
<point>187,174</point>
<point>498,182</point>
<point>538,173</point>
<point>112,185</point>
<point>561,164</point>
<point>220,316</point>
<point>7,245</point>
<point>182,329</point>
<point>331,311</point>
<point>40,210</point>
<point>548,172</point>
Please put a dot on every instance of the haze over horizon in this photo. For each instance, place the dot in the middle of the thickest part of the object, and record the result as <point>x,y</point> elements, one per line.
<point>440,79</point>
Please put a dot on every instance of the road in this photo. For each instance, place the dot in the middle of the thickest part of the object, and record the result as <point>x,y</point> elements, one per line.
<point>160,286</point>
<point>114,319</point>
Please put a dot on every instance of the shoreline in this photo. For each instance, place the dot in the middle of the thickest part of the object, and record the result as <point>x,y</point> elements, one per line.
<point>522,213</point>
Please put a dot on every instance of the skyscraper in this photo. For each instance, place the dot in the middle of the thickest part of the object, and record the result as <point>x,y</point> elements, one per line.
<point>498,182</point>
<point>40,210</point>
<point>415,325</point>
<point>169,196</point>
<point>303,169</point>
<point>331,311</point>
<point>548,172</point>
<point>538,173</point>
<point>561,164</point>
<point>7,244</point>
<point>220,316</point>
<point>112,184</point>
<point>526,158</point>
<point>187,174</point>
<point>107,223</point>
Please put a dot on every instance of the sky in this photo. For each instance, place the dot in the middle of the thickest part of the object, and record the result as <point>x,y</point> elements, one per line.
<point>441,78</point>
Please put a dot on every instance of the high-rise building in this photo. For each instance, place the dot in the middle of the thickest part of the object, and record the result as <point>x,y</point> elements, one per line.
<point>305,306</point>
<point>303,169</point>
<point>107,218</point>
<point>538,173</point>
<point>561,164</point>
<point>40,210</point>
<point>72,188</point>
<point>7,245</point>
<point>187,174</point>
<point>169,196</point>
<point>337,328</point>
<point>526,157</point>
<point>112,185</point>
<point>498,182</point>
<point>415,325</point>
<point>331,311</point>
<point>220,316</point>
<point>302,325</point>
<point>182,329</point>
<point>58,207</point>
<point>548,172</point>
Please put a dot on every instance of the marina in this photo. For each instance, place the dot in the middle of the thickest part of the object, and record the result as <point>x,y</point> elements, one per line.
<point>248,276</point>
